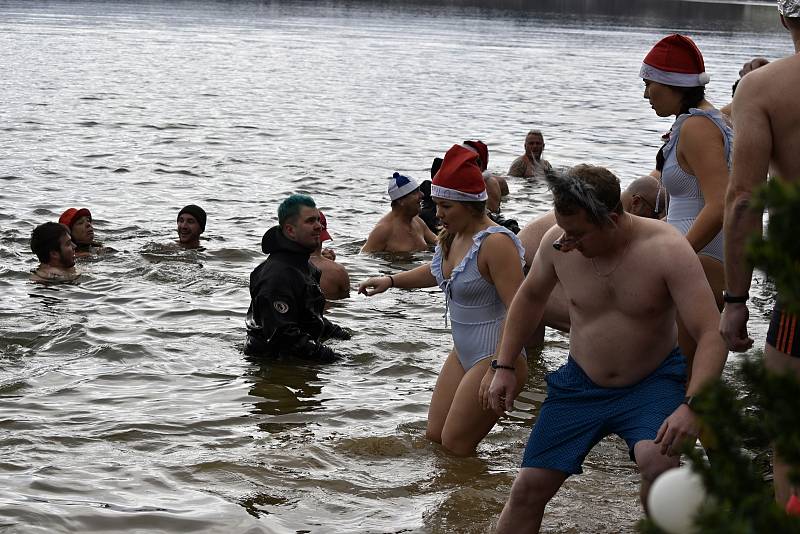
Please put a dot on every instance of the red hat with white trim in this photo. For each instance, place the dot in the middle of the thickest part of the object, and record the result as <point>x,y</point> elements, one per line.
<point>459,178</point>
<point>675,60</point>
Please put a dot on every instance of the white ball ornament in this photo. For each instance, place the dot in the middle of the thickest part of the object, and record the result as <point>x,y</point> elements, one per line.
<point>674,500</point>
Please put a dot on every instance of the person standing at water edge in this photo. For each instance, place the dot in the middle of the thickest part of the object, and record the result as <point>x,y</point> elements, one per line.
<point>695,161</point>
<point>624,374</point>
<point>531,164</point>
<point>191,223</point>
<point>53,246</point>
<point>285,314</point>
<point>334,280</point>
<point>478,266</point>
<point>766,114</point>
<point>401,230</point>
<point>81,229</point>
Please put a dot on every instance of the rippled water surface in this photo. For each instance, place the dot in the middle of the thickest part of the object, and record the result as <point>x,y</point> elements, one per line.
<point>125,401</point>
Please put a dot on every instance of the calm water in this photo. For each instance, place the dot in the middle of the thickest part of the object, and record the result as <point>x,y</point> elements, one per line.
<point>126,403</point>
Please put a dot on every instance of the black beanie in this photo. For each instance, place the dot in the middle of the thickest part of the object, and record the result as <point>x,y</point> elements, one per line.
<point>198,213</point>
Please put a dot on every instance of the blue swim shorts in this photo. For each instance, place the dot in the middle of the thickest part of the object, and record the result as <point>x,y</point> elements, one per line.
<point>578,413</point>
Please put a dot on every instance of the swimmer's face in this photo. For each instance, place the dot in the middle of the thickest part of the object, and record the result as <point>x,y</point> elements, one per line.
<point>82,231</point>
<point>66,253</point>
<point>410,202</point>
<point>453,216</point>
<point>534,146</point>
<point>665,100</point>
<point>581,234</point>
<point>189,230</point>
<point>305,229</point>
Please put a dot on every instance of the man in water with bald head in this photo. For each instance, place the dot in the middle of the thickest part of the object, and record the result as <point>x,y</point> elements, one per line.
<point>531,164</point>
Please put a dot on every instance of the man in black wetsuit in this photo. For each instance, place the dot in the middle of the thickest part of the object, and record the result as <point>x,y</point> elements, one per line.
<point>285,315</point>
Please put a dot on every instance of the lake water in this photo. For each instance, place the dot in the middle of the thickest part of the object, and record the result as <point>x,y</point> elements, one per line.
<point>126,402</point>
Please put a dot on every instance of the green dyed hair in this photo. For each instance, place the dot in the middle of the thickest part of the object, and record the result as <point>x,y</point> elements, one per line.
<point>290,208</point>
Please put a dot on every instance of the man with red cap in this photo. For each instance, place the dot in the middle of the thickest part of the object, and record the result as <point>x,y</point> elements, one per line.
<point>531,164</point>
<point>624,278</point>
<point>766,114</point>
<point>334,280</point>
<point>401,230</point>
<point>79,222</point>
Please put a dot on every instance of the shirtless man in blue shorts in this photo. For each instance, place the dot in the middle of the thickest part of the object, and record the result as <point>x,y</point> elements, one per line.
<point>624,279</point>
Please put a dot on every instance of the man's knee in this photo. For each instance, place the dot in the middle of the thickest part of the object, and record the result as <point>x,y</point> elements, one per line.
<point>651,462</point>
<point>534,487</point>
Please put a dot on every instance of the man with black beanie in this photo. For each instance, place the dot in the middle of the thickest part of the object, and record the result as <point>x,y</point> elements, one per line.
<point>191,223</point>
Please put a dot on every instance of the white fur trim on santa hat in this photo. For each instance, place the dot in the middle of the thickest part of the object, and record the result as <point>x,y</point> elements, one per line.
<point>454,194</point>
<point>677,79</point>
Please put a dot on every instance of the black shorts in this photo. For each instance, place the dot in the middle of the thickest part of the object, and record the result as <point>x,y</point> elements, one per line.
<point>782,333</point>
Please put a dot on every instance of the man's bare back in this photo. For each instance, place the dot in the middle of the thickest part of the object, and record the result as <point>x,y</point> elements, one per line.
<point>766,111</point>
<point>396,233</point>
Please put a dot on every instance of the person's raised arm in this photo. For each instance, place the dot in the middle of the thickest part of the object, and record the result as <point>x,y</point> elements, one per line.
<point>702,146</point>
<point>377,239</point>
<point>752,148</point>
<point>418,277</point>
<point>524,315</point>
<point>694,301</point>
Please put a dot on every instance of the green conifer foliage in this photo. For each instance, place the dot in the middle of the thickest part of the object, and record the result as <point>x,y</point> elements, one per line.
<point>737,424</point>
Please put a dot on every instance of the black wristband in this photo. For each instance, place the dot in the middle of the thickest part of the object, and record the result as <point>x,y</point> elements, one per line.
<point>734,299</point>
<point>688,401</point>
<point>496,366</point>
<point>391,279</point>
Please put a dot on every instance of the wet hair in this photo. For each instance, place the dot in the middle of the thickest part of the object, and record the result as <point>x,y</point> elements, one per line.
<point>46,238</point>
<point>586,187</point>
<point>535,132</point>
<point>478,209</point>
<point>291,206</point>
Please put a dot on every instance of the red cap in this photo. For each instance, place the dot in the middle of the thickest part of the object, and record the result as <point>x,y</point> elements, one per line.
<point>73,214</point>
<point>483,152</point>
<point>675,60</point>
<point>324,235</point>
<point>459,178</point>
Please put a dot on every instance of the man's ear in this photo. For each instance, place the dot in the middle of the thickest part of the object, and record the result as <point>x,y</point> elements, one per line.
<point>288,230</point>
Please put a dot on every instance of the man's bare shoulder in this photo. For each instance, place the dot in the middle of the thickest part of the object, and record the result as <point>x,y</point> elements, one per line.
<point>659,241</point>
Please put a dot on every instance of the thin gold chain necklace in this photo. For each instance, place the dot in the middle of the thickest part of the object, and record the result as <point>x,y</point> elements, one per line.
<point>621,257</point>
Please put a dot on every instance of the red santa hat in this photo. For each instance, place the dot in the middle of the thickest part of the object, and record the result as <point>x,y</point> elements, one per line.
<point>675,60</point>
<point>459,177</point>
<point>482,150</point>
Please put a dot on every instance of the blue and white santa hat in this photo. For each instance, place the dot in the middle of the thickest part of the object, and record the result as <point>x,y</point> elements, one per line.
<point>400,186</point>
